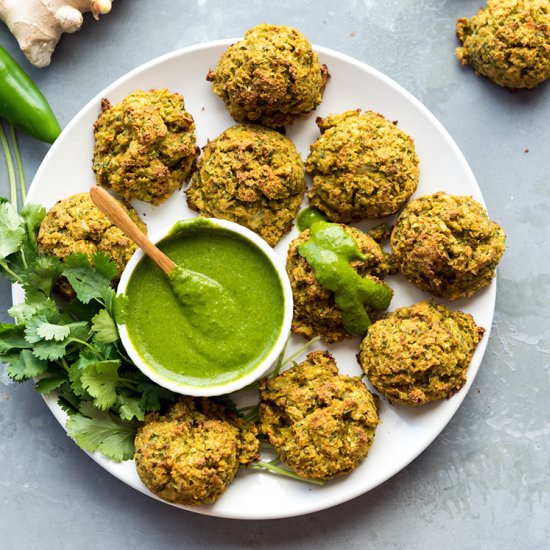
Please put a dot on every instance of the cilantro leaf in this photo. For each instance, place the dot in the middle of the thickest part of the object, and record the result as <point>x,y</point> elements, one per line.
<point>104,266</point>
<point>104,433</point>
<point>32,216</point>
<point>67,400</point>
<point>42,274</point>
<point>53,349</point>
<point>152,395</point>
<point>12,337</point>
<point>33,326</point>
<point>12,232</point>
<point>130,408</point>
<point>49,331</point>
<point>50,383</point>
<point>50,350</point>
<point>84,312</point>
<point>24,365</point>
<point>100,380</point>
<point>80,330</point>
<point>104,327</point>
<point>35,304</point>
<point>87,282</point>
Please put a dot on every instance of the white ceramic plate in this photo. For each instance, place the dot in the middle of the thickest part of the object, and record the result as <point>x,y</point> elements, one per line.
<point>404,432</point>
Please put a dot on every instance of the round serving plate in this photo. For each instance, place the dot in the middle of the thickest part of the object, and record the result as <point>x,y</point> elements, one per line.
<point>404,432</point>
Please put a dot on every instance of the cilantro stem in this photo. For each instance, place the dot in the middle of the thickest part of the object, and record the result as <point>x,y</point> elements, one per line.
<point>64,364</point>
<point>22,187</point>
<point>261,465</point>
<point>9,165</point>
<point>131,384</point>
<point>23,258</point>
<point>122,354</point>
<point>281,363</point>
<point>4,265</point>
<point>84,343</point>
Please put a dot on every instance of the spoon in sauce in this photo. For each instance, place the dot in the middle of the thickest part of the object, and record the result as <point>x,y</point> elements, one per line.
<point>190,287</point>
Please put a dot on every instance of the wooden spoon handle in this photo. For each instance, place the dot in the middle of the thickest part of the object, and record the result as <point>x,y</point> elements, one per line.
<point>114,211</point>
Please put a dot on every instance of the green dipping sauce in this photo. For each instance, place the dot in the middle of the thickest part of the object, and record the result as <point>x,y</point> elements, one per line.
<point>330,251</point>
<point>215,332</point>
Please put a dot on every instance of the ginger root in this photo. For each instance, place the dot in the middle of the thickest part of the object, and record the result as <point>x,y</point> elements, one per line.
<point>38,24</point>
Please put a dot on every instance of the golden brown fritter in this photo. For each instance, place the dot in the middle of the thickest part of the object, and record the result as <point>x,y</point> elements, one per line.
<point>192,453</point>
<point>75,224</point>
<point>420,353</point>
<point>362,165</point>
<point>315,311</point>
<point>144,146</point>
<point>250,175</point>
<point>271,77</point>
<point>508,42</point>
<point>447,245</point>
<point>321,423</point>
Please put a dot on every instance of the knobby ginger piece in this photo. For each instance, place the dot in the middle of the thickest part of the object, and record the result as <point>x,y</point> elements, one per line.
<point>38,24</point>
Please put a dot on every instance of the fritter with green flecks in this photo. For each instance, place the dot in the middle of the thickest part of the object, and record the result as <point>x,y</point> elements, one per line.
<point>447,245</point>
<point>190,454</point>
<point>315,310</point>
<point>144,146</point>
<point>270,77</point>
<point>362,166</point>
<point>508,42</point>
<point>420,353</point>
<point>250,175</point>
<point>75,224</point>
<point>321,423</point>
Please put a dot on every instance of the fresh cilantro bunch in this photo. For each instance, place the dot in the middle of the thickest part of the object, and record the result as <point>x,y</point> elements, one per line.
<point>73,347</point>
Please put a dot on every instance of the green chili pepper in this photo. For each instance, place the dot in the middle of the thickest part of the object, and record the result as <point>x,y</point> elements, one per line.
<point>22,104</point>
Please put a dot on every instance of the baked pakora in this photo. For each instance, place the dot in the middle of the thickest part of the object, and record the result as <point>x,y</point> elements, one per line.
<point>315,309</point>
<point>190,454</point>
<point>271,77</point>
<point>75,224</point>
<point>508,42</point>
<point>144,146</point>
<point>447,245</point>
<point>250,175</point>
<point>362,166</point>
<point>321,423</point>
<point>420,353</point>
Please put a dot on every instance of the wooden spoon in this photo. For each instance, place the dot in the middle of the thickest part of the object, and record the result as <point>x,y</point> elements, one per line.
<point>188,285</point>
<point>118,216</point>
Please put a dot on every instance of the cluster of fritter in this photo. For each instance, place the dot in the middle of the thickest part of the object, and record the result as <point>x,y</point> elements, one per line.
<point>321,423</point>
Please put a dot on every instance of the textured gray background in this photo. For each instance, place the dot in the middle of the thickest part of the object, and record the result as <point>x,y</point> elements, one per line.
<point>484,483</point>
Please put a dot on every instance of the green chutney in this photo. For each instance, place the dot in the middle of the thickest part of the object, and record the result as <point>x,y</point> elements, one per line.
<point>330,251</point>
<point>213,333</point>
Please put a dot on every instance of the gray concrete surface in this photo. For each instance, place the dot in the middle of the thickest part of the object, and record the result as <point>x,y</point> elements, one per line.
<point>484,483</point>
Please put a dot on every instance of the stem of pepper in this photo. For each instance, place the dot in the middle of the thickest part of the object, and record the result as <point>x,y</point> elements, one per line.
<point>9,164</point>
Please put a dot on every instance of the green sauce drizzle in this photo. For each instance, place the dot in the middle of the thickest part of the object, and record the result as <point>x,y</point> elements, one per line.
<point>330,251</point>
